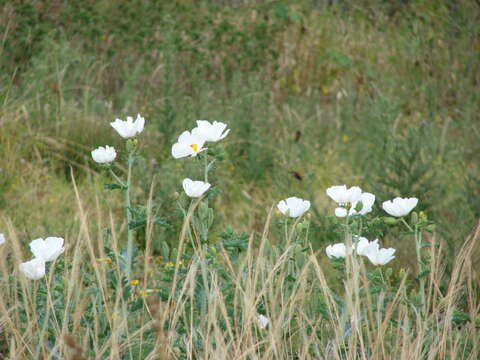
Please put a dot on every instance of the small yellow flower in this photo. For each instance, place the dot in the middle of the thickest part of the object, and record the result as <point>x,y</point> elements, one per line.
<point>134,282</point>
<point>144,293</point>
<point>423,216</point>
<point>105,260</point>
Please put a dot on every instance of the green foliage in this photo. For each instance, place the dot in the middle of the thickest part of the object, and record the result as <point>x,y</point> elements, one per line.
<point>378,94</point>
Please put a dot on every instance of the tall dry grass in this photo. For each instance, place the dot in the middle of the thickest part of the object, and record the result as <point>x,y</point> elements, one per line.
<point>311,316</point>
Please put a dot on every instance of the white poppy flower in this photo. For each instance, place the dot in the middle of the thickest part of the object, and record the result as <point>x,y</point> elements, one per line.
<point>262,321</point>
<point>343,195</point>
<point>33,269</point>
<point>210,132</point>
<point>48,249</point>
<point>293,206</point>
<point>338,250</point>
<point>2,239</point>
<point>188,144</point>
<point>195,188</point>
<point>399,206</point>
<point>367,200</point>
<point>349,197</point>
<point>129,128</point>
<point>104,154</point>
<point>376,255</point>
<point>362,244</point>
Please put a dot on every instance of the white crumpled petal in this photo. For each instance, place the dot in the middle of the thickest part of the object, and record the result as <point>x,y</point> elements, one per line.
<point>195,188</point>
<point>210,131</point>
<point>33,269</point>
<point>293,206</point>
<point>399,206</point>
<point>49,249</point>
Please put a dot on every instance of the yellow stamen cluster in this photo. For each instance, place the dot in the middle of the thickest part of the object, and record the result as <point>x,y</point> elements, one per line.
<point>194,147</point>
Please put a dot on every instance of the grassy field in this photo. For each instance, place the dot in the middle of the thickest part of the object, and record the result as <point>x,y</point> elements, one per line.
<point>382,95</point>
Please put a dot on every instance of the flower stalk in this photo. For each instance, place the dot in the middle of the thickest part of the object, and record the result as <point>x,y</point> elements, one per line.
<point>418,251</point>
<point>131,151</point>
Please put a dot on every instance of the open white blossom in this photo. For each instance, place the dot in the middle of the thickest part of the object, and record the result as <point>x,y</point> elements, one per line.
<point>195,188</point>
<point>349,198</point>
<point>367,200</point>
<point>293,206</point>
<point>362,244</point>
<point>338,250</point>
<point>2,239</point>
<point>49,249</point>
<point>33,269</point>
<point>188,144</point>
<point>399,206</point>
<point>343,195</point>
<point>104,154</point>
<point>378,256</point>
<point>129,128</point>
<point>262,321</point>
<point>210,131</point>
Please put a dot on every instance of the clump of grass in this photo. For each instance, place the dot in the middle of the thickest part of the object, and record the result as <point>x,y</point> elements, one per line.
<point>215,297</point>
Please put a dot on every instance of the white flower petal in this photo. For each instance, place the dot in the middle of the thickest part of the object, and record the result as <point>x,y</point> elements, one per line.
<point>340,212</point>
<point>104,154</point>
<point>399,206</point>
<point>367,200</point>
<point>336,250</point>
<point>181,150</point>
<point>129,128</point>
<point>363,245</point>
<point>195,188</point>
<point>188,144</point>
<point>262,321</point>
<point>33,269</point>
<point>379,256</point>
<point>210,131</point>
<point>338,193</point>
<point>48,249</point>
<point>293,206</point>
<point>2,239</point>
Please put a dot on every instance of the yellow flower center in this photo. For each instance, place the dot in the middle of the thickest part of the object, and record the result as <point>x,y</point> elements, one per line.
<point>194,147</point>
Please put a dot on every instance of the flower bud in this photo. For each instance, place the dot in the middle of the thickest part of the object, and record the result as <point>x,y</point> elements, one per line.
<point>359,206</point>
<point>414,218</point>
<point>130,145</point>
<point>390,220</point>
<point>422,215</point>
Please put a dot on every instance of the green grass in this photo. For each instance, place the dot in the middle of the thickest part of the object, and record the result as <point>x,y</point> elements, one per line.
<point>375,94</point>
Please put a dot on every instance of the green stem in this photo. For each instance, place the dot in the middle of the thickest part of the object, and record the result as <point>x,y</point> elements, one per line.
<point>205,156</point>
<point>418,251</point>
<point>120,182</point>
<point>406,224</point>
<point>418,245</point>
<point>129,216</point>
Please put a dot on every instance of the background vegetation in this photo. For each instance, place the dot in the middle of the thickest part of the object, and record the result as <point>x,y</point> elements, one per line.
<point>380,94</point>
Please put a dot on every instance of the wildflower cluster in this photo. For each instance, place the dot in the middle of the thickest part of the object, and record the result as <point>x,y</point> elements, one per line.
<point>191,143</point>
<point>353,201</point>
